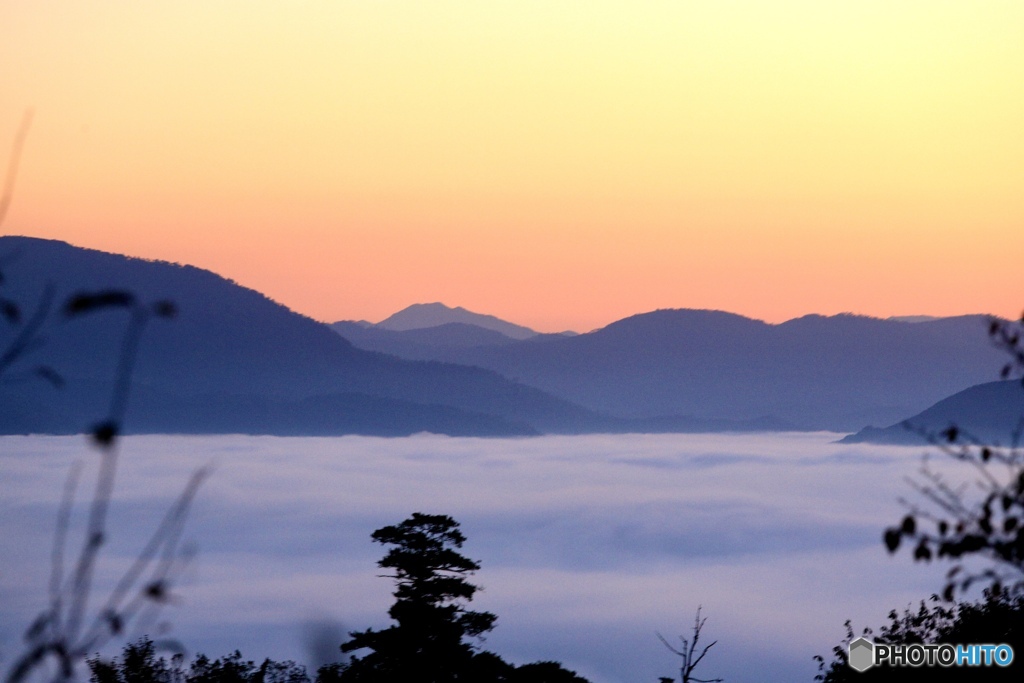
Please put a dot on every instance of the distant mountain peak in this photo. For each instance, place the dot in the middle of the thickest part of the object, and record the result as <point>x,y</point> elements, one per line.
<point>422,316</point>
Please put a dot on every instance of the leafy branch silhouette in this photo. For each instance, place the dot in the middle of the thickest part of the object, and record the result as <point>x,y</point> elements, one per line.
<point>980,518</point>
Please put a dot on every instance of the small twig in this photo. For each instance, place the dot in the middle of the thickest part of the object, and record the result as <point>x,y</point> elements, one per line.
<point>166,536</point>
<point>28,338</point>
<point>94,538</point>
<point>60,544</point>
<point>61,638</point>
<point>126,363</point>
<point>14,162</point>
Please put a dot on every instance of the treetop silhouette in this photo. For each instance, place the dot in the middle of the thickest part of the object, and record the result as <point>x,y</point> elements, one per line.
<point>431,640</point>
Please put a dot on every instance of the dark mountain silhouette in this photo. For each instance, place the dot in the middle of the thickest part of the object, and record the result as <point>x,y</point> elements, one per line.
<point>420,316</point>
<point>839,372</point>
<point>992,413</point>
<point>235,361</point>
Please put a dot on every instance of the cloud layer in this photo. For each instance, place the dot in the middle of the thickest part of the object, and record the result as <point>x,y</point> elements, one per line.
<point>588,544</point>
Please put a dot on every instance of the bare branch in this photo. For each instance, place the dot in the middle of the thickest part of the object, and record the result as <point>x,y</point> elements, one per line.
<point>688,661</point>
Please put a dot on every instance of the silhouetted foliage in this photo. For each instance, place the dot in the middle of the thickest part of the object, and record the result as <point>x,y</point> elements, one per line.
<point>139,663</point>
<point>998,618</point>
<point>542,672</point>
<point>1009,336</point>
<point>983,518</point>
<point>65,632</point>
<point>961,522</point>
<point>430,641</point>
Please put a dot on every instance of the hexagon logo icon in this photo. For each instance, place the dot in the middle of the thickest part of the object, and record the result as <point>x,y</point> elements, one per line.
<point>862,654</point>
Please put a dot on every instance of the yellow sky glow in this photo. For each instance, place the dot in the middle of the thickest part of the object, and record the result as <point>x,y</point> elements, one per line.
<point>557,163</point>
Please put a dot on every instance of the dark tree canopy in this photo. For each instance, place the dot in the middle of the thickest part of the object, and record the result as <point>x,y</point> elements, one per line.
<point>998,618</point>
<point>431,640</point>
<point>428,641</point>
<point>430,574</point>
<point>140,663</point>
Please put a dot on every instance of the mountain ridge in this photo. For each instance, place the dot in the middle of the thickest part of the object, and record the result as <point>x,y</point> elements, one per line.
<point>990,413</point>
<point>665,370</point>
<point>231,341</point>
<point>818,372</point>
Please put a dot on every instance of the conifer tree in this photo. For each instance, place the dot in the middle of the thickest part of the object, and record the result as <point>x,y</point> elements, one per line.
<point>430,638</point>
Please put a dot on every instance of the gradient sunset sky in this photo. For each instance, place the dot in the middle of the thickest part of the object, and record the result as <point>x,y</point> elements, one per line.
<point>559,164</point>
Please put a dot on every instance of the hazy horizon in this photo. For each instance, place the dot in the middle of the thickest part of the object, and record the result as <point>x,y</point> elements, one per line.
<point>909,317</point>
<point>554,327</point>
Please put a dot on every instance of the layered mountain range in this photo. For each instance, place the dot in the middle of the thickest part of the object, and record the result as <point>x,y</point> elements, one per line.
<point>838,373</point>
<point>235,361</point>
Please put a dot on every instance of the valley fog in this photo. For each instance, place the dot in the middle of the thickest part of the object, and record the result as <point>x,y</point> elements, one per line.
<point>589,545</point>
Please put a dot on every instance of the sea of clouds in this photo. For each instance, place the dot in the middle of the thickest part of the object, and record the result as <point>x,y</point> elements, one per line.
<point>589,545</point>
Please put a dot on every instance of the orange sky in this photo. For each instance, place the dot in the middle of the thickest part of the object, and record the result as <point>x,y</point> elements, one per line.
<point>557,163</point>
